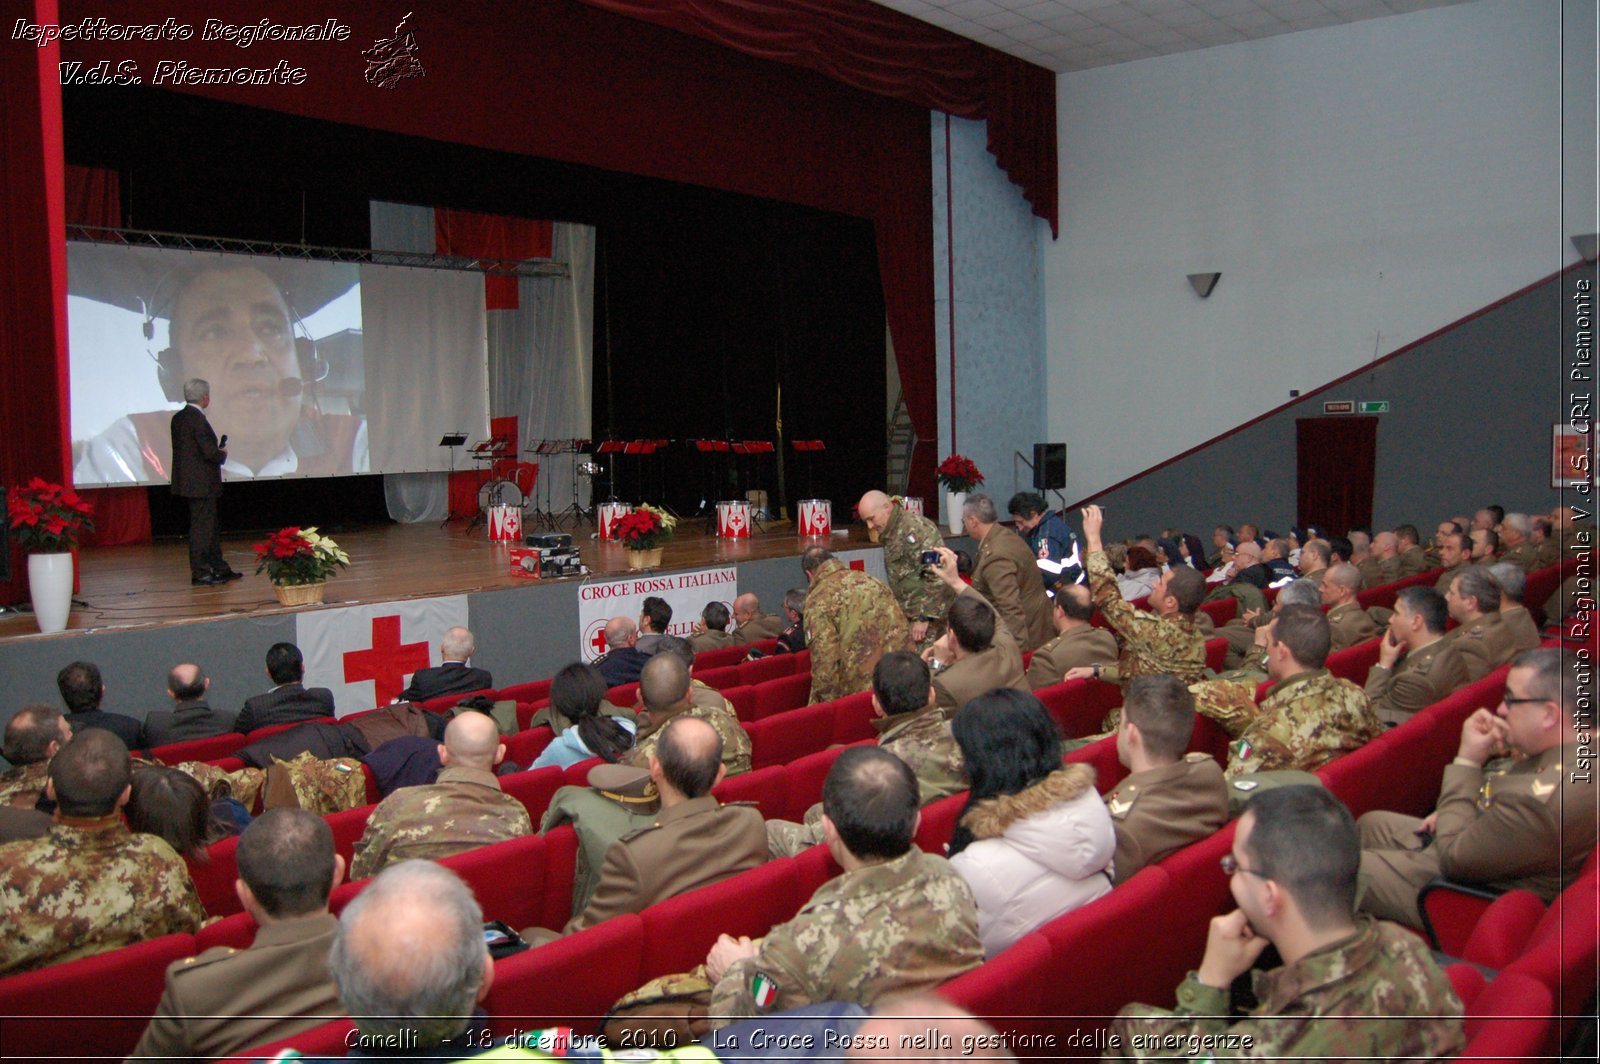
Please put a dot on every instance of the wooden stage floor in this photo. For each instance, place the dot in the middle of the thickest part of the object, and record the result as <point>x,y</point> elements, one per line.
<point>148,585</point>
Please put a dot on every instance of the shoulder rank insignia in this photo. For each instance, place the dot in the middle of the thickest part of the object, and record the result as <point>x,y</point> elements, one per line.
<point>1542,790</point>
<point>1118,808</point>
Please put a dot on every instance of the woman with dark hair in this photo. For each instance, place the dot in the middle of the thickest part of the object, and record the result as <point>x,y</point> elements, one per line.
<point>172,804</point>
<point>576,693</point>
<point>1035,840</point>
<point>1193,551</point>
<point>1168,553</point>
<point>1141,572</point>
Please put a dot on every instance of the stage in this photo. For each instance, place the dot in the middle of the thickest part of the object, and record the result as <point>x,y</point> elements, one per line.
<point>139,614</point>
<point>148,585</point>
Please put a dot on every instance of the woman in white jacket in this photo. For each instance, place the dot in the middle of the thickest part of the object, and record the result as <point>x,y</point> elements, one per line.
<point>1035,840</point>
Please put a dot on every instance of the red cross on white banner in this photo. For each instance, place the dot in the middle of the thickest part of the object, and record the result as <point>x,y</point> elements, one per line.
<point>388,662</point>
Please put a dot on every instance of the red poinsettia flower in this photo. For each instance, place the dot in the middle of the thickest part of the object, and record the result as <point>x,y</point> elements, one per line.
<point>47,518</point>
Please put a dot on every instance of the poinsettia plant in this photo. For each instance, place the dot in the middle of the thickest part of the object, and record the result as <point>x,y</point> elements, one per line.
<point>957,473</point>
<point>299,556</point>
<point>646,528</point>
<point>48,518</point>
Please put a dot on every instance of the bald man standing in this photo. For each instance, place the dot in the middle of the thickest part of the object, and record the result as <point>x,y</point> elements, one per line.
<point>463,810</point>
<point>904,536</point>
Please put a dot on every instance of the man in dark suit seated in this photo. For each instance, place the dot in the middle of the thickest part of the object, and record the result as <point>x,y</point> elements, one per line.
<point>290,700</point>
<point>191,716</point>
<point>81,690</point>
<point>452,676</point>
<point>623,661</point>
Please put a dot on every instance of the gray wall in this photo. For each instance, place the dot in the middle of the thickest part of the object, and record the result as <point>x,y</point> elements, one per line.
<point>524,633</point>
<point>1469,424</point>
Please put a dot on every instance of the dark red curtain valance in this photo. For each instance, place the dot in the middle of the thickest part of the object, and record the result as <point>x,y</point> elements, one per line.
<point>879,50</point>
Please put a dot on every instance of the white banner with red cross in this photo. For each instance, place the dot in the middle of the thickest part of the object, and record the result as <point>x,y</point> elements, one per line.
<point>366,654</point>
<point>686,593</point>
<point>866,561</point>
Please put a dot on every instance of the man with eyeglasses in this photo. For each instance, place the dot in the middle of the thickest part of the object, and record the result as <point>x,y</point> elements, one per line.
<point>1528,825</point>
<point>1349,987</point>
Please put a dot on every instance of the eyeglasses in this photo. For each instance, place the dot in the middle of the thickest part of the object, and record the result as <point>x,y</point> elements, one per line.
<point>1230,865</point>
<point>1518,701</point>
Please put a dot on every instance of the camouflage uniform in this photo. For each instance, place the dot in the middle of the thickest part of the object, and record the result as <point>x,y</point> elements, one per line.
<point>23,785</point>
<point>1150,643</point>
<point>1304,722</point>
<point>88,886</point>
<point>851,620</point>
<point>921,739</point>
<point>1377,995</point>
<point>916,587</point>
<point>735,741</point>
<point>900,926</point>
<point>315,784</point>
<point>464,810</point>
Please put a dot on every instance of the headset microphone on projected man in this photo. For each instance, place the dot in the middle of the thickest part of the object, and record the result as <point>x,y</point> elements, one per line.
<point>313,367</point>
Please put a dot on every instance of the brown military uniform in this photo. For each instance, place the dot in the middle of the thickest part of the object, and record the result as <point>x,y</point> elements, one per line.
<point>852,620</point>
<point>1375,573</point>
<point>691,844</point>
<point>761,627</point>
<point>464,810</point>
<point>1162,810</point>
<point>88,886</point>
<point>1547,553</point>
<point>1484,645</point>
<point>1524,556</point>
<point>711,639</point>
<point>1303,723</point>
<point>226,999</point>
<point>1412,561</point>
<point>1416,682</point>
<point>1519,622</point>
<point>1350,625</point>
<point>1007,574</point>
<point>1442,584</point>
<point>23,784</point>
<point>1076,647</point>
<point>1529,827</point>
<point>999,665</point>
<point>709,706</point>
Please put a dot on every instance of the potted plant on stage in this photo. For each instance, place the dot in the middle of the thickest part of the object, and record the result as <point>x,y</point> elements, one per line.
<point>959,476</point>
<point>299,561</point>
<point>644,532</point>
<point>47,520</point>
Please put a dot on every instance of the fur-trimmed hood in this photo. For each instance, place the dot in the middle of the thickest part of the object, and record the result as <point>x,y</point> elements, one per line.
<point>990,818</point>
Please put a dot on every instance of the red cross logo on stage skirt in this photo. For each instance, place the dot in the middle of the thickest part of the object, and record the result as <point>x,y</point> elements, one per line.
<point>859,565</point>
<point>389,661</point>
<point>596,637</point>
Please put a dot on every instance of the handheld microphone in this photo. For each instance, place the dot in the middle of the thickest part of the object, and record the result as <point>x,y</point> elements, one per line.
<point>223,443</point>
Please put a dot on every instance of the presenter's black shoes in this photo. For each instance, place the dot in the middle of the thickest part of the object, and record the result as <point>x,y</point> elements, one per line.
<point>228,574</point>
<point>208,579</point>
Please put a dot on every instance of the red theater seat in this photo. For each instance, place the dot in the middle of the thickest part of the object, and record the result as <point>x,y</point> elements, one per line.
<point>939,823</point>
<point>1353,663</point>
<point>445,703</point>
<point>1079,707</point>
<point>580,975</point>
<point>743,701</point>
<point>852,719</point>
<point>804,777</point>
<point>679,932</point>
<point>198,749</point>
<point>782,694</point>
<point>213,878</point>
<point>1505,930</point>
<point>1138,915</point>
<point>1510,1019</point>
<point>1222,610</point>
<point>109,998</point>
<point>726,676</point>
<point>783,737</point>
<point>718,658</point>
<point>1216,653</point>
<point>328,1040</point>
<point>767,787</point>
<point>1101,755</point>
<point>1011,990</point>
<point>506,878</point>
<point>533,789</point>
<point>769,668</point>
<point>525,746</point>
<point>526,692</point>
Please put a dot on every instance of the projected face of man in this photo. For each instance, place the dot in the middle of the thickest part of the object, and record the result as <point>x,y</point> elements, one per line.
<point>232,327</point>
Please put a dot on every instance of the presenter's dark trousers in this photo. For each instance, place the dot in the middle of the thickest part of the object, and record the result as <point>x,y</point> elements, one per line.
<point>205,542</point>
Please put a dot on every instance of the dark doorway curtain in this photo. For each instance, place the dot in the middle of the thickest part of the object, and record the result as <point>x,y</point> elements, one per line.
<point>1336,458</point>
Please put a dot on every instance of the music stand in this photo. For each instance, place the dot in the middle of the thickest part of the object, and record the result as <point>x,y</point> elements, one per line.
<point>579,513</point>
<point>453,441</point>
<point>487,454</point>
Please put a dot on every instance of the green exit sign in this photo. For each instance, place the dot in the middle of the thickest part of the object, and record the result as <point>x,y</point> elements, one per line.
<point>1377,407</point>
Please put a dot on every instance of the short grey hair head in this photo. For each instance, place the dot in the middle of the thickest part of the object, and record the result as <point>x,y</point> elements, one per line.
<point>1512,580</point>
<point>1475,582</point>
<point>1301,592</point>
<point>458,644</point>
<point>409,954</point>
<point>196,390</point>
<point>982,509</point>
<point>1521,522</point>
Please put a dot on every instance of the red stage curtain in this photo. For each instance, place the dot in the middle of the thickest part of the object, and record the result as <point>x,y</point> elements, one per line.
<point>493,236</point>
<point>33,284</point>
<point>879,50</point>
<point>565,81</point>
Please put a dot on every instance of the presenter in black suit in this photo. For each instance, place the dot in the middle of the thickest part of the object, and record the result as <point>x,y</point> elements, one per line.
<point>197,459</point>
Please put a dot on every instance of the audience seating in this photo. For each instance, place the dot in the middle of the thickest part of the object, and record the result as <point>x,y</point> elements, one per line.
<point>1216,654</point>
<point>715,659</point>
<point>214,746</point>
<point>1079,707</point>
<point>1510,1019</point>
<point>1222,610</point>
<point>1385,594</point>
<point>782,694</point>
<point>1353,663</point>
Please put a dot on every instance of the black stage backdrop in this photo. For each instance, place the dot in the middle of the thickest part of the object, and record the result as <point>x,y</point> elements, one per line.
<point>706,302</point>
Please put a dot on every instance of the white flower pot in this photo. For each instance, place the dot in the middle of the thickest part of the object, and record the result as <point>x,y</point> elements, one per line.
<point>953,502</point>
<point>50,587</point>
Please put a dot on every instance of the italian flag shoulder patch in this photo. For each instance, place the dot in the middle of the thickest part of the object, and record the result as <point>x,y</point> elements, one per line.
<point>763,990</point>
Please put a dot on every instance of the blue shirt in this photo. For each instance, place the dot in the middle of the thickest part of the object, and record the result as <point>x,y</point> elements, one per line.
<point>567,749</point>
<point>1051,538</point>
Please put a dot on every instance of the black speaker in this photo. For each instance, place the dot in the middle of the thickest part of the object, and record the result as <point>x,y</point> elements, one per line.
<point>1049,466</point>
